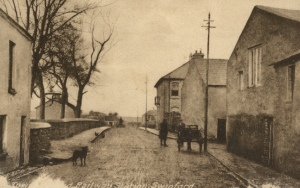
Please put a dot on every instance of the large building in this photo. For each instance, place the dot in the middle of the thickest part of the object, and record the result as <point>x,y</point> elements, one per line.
<point>262,83</point>
<point>182,93</point>
<point>15,77</point>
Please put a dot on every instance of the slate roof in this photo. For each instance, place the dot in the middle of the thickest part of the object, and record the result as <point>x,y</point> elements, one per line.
<point>284,13</point>
<point>217,72</point>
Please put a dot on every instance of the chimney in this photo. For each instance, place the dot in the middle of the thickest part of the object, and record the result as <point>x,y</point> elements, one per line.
<point>197,55</point>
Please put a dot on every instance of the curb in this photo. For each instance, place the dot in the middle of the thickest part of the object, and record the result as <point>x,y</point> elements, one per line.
<point>237,176</point>
<point>157,134</point>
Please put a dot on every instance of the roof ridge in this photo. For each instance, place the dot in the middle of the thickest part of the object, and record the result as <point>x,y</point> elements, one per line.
<point>281,12</point>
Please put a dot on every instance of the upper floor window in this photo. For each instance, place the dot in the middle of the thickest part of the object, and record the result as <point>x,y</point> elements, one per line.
<point>175,89</point>
<point>254,66</point>
<point>291,82</point>
<point>241,80</point>
<point>11,67</point>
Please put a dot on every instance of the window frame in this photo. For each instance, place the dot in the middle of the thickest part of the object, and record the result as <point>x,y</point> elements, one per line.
<point>254,66</point>
<point>175,88</point>
<point>11,66</point>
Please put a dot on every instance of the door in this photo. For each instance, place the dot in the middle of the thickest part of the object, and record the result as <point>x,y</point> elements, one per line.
<point>1,133</point>
<point>22,140</point>
<point>221,134</point>
<point>268,141</point>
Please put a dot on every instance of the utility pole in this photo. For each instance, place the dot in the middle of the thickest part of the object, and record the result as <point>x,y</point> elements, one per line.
<point>206,90</point>
<point>146,118</point>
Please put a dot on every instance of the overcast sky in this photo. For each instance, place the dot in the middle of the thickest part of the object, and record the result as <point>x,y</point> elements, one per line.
<point>155,37</point>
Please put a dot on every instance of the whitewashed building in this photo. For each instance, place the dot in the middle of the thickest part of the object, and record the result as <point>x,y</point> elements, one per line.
<point>15,78</point>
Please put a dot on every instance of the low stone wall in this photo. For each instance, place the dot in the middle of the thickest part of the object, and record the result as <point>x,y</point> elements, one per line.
<point>43,131</point>
<point>247,136</point>
<point>65,128</point>
<point>39,141</point>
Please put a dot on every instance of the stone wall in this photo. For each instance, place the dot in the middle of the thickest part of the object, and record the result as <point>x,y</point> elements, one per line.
<point>39,141</point>
<point>65,128</point>
<point>41,134</point>
<point>277,38</point>
<point>246,136</point>
<point>287,124</point>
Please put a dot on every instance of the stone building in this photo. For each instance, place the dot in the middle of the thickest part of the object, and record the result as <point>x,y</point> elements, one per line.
<point>262,105</point>
<point>183,91</point>
<point>15,77</point>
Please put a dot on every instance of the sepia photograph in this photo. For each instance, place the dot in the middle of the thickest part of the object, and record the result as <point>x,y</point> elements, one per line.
<point>149,93</point>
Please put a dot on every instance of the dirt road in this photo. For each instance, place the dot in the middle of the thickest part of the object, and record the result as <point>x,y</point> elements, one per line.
<point>130,156</point>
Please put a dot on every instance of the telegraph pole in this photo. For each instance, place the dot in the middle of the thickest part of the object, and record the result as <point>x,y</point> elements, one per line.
<point>146,105</point>
<point>206,90</point>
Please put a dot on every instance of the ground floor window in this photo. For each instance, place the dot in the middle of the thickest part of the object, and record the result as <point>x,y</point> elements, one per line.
<point>2,123</point>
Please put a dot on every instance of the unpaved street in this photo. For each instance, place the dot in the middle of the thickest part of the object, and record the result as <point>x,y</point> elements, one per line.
<point>130,156</point>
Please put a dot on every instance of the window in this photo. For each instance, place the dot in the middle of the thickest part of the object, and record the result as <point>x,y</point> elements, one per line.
<point>254,67</point>
<point>157,100</point>
<point>240,80</point>
<point>175,89</point>
<point>11,66</point>
<point>291,82</point>
<point>174,92</point>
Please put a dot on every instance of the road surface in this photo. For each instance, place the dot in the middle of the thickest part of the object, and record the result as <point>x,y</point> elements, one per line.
<point>132,157</point>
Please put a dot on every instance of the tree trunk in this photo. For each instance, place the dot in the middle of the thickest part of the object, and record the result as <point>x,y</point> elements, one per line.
<point>42,96</point>
<point>77,110</point>
<point>64,98</point>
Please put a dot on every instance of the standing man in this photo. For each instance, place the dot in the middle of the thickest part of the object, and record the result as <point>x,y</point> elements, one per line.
<point>120,122</point>
<point>163,133</point>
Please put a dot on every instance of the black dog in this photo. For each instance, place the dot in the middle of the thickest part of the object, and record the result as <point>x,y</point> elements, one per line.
<point>82,154</point>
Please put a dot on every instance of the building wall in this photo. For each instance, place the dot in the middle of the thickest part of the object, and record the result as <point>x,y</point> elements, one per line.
<point>163,106</point>
<point>247,109</point>
<point>18,105</point>
<point>193,102</point>
<point>193,98</point>
<point>216,108</point>
<point>52,111</point>
<point>167,103</point>
<point>287,124</point>
<point>175,101</point>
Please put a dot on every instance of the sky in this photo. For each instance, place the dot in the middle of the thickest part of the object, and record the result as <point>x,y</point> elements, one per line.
<point>154,37</point>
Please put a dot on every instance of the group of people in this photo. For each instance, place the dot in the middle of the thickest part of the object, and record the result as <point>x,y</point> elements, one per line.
<point>163,133</point>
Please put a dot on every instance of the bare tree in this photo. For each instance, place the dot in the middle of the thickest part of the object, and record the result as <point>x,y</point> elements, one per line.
<point>84,69</point>
<point>42,19</point>
<point>60,56</point>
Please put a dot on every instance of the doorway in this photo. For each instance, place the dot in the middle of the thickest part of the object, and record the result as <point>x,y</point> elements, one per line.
<point>267,158</point>
<point>221,134</point>
<point>22,140</point>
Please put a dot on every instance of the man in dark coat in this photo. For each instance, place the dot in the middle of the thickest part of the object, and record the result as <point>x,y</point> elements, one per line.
<point>163,133</point>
